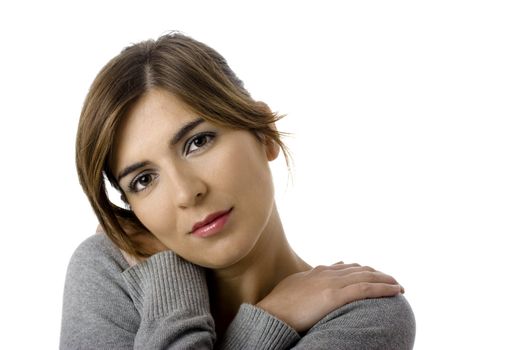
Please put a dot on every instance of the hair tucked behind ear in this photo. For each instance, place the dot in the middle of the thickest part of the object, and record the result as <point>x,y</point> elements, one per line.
<point>197,74</point>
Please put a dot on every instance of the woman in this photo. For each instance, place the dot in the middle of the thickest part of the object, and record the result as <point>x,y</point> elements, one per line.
<point>199,258</point>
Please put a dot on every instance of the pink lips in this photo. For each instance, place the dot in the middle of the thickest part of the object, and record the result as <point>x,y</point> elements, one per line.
<point>212,224</point>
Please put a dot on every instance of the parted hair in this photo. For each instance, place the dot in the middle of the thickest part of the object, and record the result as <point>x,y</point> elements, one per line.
<point>191,70</point>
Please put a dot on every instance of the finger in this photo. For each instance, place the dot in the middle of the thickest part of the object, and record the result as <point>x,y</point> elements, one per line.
<point>369,290</point>
<point>368,277</point>
<point>341,266</point>
<point>354,269</point>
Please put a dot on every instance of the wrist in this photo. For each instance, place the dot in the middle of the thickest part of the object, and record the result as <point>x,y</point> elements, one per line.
<point>276,312</point>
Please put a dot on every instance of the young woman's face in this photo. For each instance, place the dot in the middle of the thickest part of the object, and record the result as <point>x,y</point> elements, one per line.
<point>172,183</point>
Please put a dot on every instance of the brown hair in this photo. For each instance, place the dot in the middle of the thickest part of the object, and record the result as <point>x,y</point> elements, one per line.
<point>197,74</point>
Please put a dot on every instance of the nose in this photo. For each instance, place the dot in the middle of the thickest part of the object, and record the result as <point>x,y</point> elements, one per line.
<point>186,186</point>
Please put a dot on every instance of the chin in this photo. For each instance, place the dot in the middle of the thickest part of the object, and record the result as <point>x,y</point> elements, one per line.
<point>219,262</point>
<point>220,258</point>
<point>227,250</point>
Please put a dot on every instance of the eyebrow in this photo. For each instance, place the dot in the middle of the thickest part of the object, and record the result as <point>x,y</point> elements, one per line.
<point>184,130</point>
<point>128,170</point>
<point>174,140</point>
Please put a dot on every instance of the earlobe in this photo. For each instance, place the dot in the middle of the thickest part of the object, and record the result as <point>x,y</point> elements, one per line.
<point>272,149</point>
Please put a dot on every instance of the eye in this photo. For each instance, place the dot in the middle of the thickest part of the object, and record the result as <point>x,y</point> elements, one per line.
<point>141,182</point>
<point>199,141</point>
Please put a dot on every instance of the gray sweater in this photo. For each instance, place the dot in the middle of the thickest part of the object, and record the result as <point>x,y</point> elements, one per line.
<point>163,303</point>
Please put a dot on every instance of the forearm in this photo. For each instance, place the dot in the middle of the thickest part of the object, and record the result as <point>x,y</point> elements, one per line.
<point>254,328</point>
<point>171,297</point>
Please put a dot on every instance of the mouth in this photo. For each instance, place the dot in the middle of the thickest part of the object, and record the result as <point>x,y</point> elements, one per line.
<point>212,224</point>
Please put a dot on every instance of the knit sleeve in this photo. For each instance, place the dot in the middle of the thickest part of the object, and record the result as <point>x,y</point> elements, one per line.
<point>380,323</point>
<point>171,297</point>
<point>161,303</point>
<point>254,328</point>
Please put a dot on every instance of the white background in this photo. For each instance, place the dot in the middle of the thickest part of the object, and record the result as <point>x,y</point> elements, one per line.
<point>408,123</point>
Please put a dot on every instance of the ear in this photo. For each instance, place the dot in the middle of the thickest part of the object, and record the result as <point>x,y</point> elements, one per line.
<point>271,147</point>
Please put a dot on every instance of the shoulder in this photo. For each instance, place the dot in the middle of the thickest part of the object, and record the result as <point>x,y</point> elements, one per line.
<point>95,262</point>
<point>95,296</point>
<point>98,249</point>
<point>379,323</point>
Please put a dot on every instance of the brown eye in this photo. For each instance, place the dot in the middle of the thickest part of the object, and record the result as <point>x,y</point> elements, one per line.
<point>200,141</point>
<point>144,180</point>
<point>141,182</point>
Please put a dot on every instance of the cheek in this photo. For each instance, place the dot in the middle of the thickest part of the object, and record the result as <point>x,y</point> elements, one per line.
<point>242,173</point>
<point>155,213</point>
<point>250,178</point>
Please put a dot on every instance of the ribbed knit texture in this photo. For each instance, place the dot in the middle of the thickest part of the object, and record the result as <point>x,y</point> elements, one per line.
<point>163,303</point>
<point>166,283</point>
<point>271,332</point>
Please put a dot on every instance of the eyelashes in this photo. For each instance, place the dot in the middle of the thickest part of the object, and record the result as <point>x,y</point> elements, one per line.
<point>197,143</point>
<point>201,136</point>
<point>144,180</point>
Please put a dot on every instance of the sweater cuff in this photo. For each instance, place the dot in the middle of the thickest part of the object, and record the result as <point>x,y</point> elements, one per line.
<point>254,328</point>
<point>164,283</point>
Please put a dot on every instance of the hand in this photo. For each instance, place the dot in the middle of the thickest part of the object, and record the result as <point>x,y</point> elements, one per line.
<point>304,298</point>
<point>143,239</point>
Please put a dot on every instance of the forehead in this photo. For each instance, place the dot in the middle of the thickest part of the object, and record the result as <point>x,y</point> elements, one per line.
<point>154,106</point>
<point>150,122</point>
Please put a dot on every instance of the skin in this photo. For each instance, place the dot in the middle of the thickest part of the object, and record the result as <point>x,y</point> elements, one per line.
<point>250,260</point>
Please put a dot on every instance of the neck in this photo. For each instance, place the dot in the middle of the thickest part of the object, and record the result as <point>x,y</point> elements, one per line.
<point>253,277</point>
